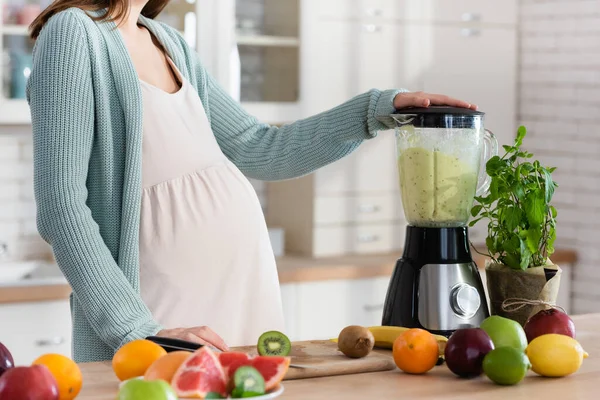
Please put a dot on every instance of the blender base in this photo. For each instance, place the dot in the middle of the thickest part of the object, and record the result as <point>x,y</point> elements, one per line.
<point>436,285</point>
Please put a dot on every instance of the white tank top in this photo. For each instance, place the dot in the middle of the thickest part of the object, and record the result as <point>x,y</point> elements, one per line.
<point>205,254</point>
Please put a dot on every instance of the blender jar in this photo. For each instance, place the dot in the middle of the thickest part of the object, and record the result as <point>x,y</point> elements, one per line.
<point>441,152</point>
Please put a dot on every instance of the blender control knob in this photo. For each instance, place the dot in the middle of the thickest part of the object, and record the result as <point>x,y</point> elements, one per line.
<point>465,300</point>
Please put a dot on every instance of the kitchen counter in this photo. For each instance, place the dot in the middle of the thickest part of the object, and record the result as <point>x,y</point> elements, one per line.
<point>100,382</point>
<point>291,269</point>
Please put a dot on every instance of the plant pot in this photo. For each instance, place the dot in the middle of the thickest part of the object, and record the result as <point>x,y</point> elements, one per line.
<point>533,284</point>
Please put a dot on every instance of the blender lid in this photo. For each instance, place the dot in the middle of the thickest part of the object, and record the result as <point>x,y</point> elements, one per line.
<point>439,117</point>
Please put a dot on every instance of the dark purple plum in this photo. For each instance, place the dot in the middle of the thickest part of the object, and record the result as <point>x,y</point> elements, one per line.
<point>6,359</point>
<point>465,351</point>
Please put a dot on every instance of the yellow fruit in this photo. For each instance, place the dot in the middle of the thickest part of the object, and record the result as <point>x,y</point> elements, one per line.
<point>134,358</point>
<point>66,373</point>
<point>385,336</point>
<point>555,355</point>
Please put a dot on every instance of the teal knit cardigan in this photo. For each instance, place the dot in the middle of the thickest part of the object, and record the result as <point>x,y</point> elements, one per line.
<point>86,109</point>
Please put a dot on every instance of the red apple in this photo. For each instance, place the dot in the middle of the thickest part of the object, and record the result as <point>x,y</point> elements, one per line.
<point>28,383</point>
<point>465,351</point>
<point>549,321</point>
<point>6,359</point>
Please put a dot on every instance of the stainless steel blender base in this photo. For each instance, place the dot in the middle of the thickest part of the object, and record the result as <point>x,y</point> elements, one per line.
<point>450,297</point>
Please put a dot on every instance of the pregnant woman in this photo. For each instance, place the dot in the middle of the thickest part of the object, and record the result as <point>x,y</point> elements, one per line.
<point>141,162</point>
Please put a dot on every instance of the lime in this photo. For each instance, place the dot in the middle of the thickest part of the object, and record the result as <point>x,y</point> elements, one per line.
<point>505,332</point>
<point>555,355</point>
<point>506,365</point>
<point>139,389</point>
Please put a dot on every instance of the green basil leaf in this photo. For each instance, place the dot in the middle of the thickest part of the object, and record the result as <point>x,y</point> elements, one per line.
<point>520,136</point>
<point>512,260</point>
<point>532,239</point>
<point>534,206</point>
<point>551,170</point>
<point>525,256</point>
<point>553,211</point>
<point>511,217</point>
<point>475,210</point>
<point>548,185</point>
<point>491,245</point>
<point>494,166</point>
<point>508,149</point>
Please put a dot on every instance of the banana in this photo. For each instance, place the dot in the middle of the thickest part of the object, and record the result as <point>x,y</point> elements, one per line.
<point>386,335</point>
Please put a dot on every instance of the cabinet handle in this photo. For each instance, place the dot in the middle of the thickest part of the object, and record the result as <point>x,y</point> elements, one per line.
<point>372,28</point>
<point>368,208</point>
<point>374,12</point>
<point>55,341</point>
<point>470,32</point>
<point>373,307</point>
<point>468,17</point>
<point>368,238</point>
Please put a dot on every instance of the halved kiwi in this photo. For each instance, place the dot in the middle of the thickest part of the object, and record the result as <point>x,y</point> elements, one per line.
<point>248,380</point>
<point>274,343</point>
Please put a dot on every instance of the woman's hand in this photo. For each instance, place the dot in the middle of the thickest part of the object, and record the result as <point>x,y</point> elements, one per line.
<point>420,99</point>
<point>198,334</point>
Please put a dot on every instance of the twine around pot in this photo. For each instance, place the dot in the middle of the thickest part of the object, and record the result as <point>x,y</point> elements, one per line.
<point>515,304</point>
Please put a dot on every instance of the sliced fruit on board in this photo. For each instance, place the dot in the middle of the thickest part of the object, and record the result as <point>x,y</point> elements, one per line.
<point>200,374</point>
<point>272,368</point>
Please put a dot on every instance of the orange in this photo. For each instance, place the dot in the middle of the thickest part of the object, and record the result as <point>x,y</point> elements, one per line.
<point>134,358</point>
<point>415,351</point>
<point>66,373</point>
<point>165,367</point>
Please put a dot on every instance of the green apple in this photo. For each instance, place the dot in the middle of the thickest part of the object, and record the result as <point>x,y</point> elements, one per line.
<point>139,389</point>
<point>505,332</point>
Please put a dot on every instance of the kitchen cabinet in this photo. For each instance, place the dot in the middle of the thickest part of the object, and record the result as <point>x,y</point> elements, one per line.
<point>36,328</point>
<point>322,309</point>
<point>476,11</point>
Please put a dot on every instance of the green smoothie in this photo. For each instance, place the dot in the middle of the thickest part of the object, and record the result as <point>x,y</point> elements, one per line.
<point>437,188</point>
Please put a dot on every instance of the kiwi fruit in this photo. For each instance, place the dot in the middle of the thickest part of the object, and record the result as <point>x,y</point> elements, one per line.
<point>247,379</point>
<point>356,341</point>
<point>274,343</point>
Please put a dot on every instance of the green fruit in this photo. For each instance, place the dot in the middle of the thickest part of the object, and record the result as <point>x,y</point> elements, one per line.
<point>214,395</point>
<point>248,379</point>
<point>274,343</point>
<point>505,332</point>
<point>506,365</point>
<point>139,389</point>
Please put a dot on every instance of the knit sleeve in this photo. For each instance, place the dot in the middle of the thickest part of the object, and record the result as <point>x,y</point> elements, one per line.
<point>267,152</point>
<point>60,94</point>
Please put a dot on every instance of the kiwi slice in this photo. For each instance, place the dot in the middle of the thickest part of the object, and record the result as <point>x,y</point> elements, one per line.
<point>248,380</point>
<point>274,343</point>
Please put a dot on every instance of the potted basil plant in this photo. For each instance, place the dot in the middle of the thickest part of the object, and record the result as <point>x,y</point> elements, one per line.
<point>521,233</point>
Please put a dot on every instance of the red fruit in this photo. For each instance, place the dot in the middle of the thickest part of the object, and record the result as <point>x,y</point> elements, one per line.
<point>549,321</point>
<point>231,361</point>
<point>465,351</point>
<point>200,374</point>
<point>272,368</point>
<point>28,383</point>
<point>6,359</point>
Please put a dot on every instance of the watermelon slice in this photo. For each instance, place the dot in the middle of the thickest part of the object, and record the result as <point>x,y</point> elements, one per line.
<point>272,368</point>
<point>200,374</point>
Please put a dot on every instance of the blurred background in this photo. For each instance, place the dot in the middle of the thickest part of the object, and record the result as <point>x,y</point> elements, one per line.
<point>338,232</point>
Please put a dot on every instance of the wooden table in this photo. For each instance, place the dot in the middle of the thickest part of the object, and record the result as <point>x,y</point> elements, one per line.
<point>101,384</point>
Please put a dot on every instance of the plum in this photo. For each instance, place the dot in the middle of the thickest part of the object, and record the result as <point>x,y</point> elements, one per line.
<point>465,351</point>
<point>549,321</point>
<point>6,359</point>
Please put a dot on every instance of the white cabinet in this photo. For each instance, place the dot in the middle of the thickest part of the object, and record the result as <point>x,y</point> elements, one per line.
<point>32,329</point>
<point>476,11</point>
<point>322,309</point>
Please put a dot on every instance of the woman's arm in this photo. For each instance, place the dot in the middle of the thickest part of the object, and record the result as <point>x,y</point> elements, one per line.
<point>60,95</point>
<point>270,153</point>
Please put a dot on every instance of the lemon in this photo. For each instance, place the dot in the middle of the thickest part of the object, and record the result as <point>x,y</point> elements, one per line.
<point>555,355</point>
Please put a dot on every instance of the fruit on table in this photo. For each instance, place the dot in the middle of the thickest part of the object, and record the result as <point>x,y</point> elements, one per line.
<point>165,367</point>
<point>272,368</point>
<point>6,359</point>
<point>415,351</point>
<point>248,382</point>
<point>140,389</point>
<point>506,365</point>
<point>505,332</point>
<point>66,373</point>
<point>356,341</point>
<point>385,336</point>
<point>465,351</point>
<point>28,383</point>
<point>134,358</point>
<point>200,374</point>
<point>555,355</point>
<point>274,343</point>
<point>549,321</point>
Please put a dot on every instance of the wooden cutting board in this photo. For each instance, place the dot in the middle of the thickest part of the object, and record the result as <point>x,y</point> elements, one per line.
<point>322,358</point>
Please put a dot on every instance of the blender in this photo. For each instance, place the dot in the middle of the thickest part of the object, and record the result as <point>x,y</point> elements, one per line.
<point>436,284</point>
